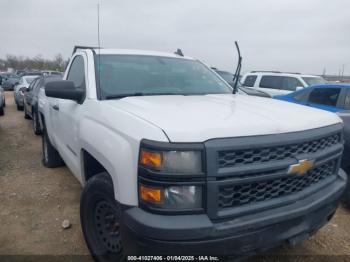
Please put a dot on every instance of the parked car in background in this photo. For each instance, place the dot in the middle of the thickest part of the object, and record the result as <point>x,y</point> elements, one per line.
<point>9,81</point>
<point>228,77</point>
<point>333,98</point>
<point>20,72</point>
<point>24,83</point>
<point>31,99</point>
<point>32,73</point>
<point>2,101</point>
<point>279,83</point>
<point>56,73</point>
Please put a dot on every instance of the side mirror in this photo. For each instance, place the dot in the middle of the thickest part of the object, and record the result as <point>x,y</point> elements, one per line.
<point>24,89</point>
<point>64,89</point>
<point>299,88</point>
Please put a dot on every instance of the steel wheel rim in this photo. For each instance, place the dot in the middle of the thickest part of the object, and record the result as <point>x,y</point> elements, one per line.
<point>106,225</point>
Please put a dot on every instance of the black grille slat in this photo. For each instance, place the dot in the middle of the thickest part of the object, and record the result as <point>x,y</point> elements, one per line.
<point>234,195</point>
<point>234,158</point>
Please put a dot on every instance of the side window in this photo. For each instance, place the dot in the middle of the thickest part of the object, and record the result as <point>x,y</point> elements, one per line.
<point>32,84</point>
<point>250,81</point>
<point>77,72</point>
<point>290,83</point>
<point>38,85</point>
<point>347,101</point>
<point>325,96</point>
<point>302,96</point>
<point>273,82</point>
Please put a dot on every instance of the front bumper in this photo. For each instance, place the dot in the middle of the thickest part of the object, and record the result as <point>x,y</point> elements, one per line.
<point>145,233</point>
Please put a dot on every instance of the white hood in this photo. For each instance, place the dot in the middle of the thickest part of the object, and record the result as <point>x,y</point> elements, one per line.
<point>200,118</point>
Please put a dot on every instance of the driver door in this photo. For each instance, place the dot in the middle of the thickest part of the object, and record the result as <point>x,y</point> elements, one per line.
<point>69,115</point>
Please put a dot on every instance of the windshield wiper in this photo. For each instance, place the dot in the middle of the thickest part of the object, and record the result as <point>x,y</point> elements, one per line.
<point>118,96</point>
<point>238,70</point>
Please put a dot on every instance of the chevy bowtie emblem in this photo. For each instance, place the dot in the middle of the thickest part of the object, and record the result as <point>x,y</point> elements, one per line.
<point>302,167</point>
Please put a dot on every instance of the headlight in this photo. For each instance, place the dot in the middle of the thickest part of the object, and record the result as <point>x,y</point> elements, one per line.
<point>172,161</point>
<point>172,197</point>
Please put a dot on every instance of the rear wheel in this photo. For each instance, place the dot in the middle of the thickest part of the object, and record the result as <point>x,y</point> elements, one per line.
<point>99,215</point>
<point>51,158</point>
<point>2,111</point>
<point>19,108</point>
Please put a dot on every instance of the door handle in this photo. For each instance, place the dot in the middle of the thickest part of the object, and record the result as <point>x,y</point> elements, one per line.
<point>56,107</point>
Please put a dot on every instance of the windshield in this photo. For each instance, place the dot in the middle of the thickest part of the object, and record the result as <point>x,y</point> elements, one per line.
<point>30,79</point>
<point>151,75</point>
<point>228,77</point>
<point>313,81</point>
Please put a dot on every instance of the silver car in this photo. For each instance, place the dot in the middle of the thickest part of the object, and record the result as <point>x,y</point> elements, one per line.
<point>24,82</point>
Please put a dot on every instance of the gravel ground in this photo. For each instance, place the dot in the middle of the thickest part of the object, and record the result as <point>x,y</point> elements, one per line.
<point>36,200</point>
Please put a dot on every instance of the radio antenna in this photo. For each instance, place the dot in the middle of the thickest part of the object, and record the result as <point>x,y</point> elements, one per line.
<point>98,25</point>
<point>99,45</point>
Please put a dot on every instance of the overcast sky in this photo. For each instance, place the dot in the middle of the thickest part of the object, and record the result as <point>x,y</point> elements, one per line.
<point>290,35</point>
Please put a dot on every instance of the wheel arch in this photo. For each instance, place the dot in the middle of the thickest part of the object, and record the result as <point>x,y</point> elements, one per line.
<point>92,165</point>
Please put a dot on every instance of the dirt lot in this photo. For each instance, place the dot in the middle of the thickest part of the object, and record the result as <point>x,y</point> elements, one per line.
<point>35,200</point>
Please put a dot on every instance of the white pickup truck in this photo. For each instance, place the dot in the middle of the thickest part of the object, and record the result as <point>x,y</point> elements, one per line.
<point>172,162</point>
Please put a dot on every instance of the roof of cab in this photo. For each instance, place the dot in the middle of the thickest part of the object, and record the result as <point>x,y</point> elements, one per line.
<point>108,51</point>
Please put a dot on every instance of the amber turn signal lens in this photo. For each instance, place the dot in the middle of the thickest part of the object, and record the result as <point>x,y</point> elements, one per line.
<point>149,194</point>
<point>151,159</point>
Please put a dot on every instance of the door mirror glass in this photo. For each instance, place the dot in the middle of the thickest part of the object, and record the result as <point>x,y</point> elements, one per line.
<point>24,89</point>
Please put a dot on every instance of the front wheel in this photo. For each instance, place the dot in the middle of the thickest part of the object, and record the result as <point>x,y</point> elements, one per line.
<point>99,215</point>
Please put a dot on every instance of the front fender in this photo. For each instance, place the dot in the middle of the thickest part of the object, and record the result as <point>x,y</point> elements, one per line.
<point>117,152</point>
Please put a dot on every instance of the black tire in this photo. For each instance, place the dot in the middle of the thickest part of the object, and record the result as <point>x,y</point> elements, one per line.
<point>4,103</point>
<point>99,216</point>
<point>19,108</point>
<point>347,198</point>
<point>26,116</point>
<point>50,157</point>
<point>347,189</point>
<point>2,112</point>
<point>36,124</point>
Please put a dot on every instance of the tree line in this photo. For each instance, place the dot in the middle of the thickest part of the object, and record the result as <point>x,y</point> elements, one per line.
<point>58,63</point>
